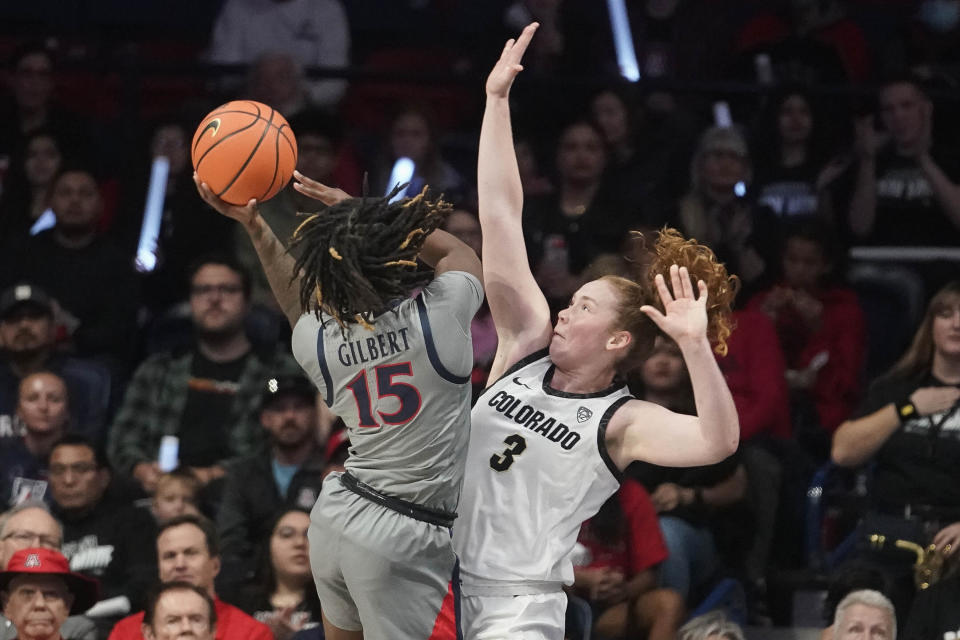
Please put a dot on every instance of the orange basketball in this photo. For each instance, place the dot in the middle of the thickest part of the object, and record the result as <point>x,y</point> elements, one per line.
<point>244,149</point>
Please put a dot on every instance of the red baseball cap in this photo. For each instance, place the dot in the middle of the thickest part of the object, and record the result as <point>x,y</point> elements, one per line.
<point>48,562</point>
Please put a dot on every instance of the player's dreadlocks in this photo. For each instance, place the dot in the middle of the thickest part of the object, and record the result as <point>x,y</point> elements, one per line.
<point>359,255</point>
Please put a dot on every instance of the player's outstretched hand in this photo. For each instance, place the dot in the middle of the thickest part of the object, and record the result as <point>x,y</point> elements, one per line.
<point>245,214</point>
<point>508,66</point>
<point>317,190</point>
<point>686,314</point>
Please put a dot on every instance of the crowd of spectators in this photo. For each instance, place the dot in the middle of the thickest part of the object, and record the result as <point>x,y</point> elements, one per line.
<point>156,432</point>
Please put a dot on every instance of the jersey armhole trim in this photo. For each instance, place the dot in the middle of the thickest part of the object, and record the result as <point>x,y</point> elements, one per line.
<point>516,366</point>
<point>441,370</point>
<point>324,371</point>
<point>602,437</point>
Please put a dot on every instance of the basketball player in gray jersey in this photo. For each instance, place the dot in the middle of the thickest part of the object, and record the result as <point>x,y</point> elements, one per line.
<point>396,369</point>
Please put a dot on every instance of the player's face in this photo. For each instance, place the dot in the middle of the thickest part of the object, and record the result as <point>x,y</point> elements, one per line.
<point>803,263</point>
<point>288,546</point>
<point>904,111</point>
<point>291,420</point>
<point>42,161</point>
<point>794,120</point>
<point>217,300</point>
<point>76,200</point>
<point>26,328</point>
<point>581,155</point>
<point>75,481</point>
<point>664,370</point>
<point>180,614</point>
<point>584,327</point>
<point>183,555</point>
<point>42,403</point>
<point>946,328</point>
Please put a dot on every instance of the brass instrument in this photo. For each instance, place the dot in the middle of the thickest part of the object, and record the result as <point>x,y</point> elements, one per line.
<point>929,566</point>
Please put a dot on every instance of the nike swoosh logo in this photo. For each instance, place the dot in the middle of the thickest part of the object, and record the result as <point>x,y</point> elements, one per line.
<point>213,124</point>
<point>516,380</point>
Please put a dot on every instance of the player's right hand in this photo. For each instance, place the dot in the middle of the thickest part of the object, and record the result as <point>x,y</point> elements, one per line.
<point>317,190</point>
<point>246,214</point>
<point>508,66</point>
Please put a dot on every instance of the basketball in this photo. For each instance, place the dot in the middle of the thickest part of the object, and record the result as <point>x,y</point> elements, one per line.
<point>244,149</point>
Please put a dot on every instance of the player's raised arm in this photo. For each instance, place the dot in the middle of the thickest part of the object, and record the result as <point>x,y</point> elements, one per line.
<point>519,308</point>
<point>277,263</point>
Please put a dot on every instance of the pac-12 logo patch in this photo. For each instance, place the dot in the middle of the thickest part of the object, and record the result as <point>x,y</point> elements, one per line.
<point>584,414</point>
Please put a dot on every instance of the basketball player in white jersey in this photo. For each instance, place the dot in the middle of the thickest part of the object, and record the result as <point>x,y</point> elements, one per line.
<point>396,370</point>
<point>555,427</point>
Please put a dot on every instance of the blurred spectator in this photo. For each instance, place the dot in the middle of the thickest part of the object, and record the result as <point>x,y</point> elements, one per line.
<point>188,550</point>
<point>813,42</point>
<point>315,33</point>
<point>178,493</point>
<point>283,596</point>
<point>28,345</point>
<point>30,525</point>
<point>755,371</point>
<point>91,279</point>
<point>100,531</point>
<point>790,157</point>
<point>465,226</point>
<point>276,79</point>
<point>906,190</point>
<point>620,580</point>
<point>43,409</point>
<point>567,228</point>
<point>710,626</point>
<point>906,427</point>
<point>33,103</point>
<point>822,332</point>
<point>188,229</point>
<point>934,612</point>
<point>290,474</point>
<point>207,396</point>
<point>636,174</point>
<point>25,204</point>
<point>179,610</point>
<point>39,591</point>
<point>844,581</point>
<point>930,41</point>
<point>865,613</point>
<point>691,502</point>
<point>412,134</point>
<point>534,182</point>
<point>719,212</point>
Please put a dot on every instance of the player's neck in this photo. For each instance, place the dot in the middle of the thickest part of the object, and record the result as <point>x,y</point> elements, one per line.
<point>587,379</point>
<point>946,368</point>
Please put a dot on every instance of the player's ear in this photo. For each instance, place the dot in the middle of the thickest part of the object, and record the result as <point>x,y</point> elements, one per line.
<point>619,340</point>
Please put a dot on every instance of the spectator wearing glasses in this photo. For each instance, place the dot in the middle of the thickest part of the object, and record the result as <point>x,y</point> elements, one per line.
<point>30,525</point>
<point>38,592</point>
<point>208,395</point>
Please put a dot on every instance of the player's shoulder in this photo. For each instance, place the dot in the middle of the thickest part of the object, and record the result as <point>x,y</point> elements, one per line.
<point>454,280</point>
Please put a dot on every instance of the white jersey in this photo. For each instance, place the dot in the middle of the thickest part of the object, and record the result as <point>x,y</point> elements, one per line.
<point>537,467</point>
<point>402,389</point>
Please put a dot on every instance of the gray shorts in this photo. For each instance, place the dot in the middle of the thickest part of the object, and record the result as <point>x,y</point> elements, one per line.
<point>388,574</point>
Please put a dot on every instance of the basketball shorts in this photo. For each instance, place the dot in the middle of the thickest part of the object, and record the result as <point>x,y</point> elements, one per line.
<point>530,617</point>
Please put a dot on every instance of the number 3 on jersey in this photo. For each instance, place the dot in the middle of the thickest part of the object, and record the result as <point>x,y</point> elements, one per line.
<point>407,394</point>
<point>515,446</point>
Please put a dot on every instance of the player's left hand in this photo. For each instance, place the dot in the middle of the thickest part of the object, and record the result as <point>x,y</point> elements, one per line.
<point>317,190</point>
<point>686,313</point>
<point>245,214</point>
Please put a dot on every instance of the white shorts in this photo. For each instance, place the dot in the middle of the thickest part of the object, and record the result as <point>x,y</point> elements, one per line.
<point>534,617</point>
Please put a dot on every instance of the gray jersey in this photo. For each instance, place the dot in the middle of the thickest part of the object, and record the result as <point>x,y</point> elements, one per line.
<point>402,389</point>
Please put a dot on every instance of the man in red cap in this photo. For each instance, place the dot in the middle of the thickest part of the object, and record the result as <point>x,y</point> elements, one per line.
<point>38,592</point>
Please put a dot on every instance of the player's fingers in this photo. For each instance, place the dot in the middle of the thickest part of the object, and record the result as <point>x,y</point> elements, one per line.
<point>524,40</point>
<point>686,285</point>
<point>661,284</point>
<point>704,292</point>
<point>654,314</point>
<point>675,285</point>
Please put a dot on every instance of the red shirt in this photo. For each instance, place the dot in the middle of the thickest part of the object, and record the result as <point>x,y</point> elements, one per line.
<point>754,371</point>
<point>231,623</point>
<point>642,547</point>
